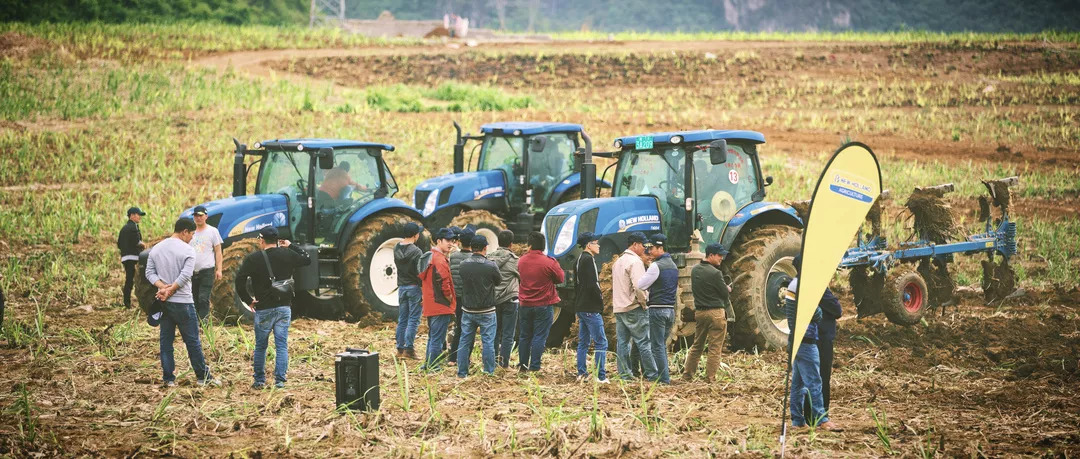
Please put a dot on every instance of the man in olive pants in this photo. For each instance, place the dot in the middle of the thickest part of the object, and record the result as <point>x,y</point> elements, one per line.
<point>712,311</point>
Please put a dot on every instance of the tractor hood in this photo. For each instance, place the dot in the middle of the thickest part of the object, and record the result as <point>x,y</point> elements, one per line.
<point>448,190</point>
<point>603,216</point>
<point>245,214</point>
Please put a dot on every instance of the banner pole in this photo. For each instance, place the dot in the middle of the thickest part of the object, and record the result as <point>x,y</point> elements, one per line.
<point>783,407</point>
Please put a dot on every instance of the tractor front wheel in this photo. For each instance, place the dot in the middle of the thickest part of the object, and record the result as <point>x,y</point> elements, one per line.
<point>370,275</point>
<point>906,297</point>
<point>761,265</point>
<point>487,225</point>
<point>225,303</point>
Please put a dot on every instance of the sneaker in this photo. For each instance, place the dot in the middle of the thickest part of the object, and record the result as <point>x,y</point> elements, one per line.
<point>582,378</point>
<point>831,427</point>
<point>211,381</point>
<point>170,384</point>
<point>411,354</point>
<point>279,385</point>
<point>603,381</point>
<point>400,353</point>
<point>258,386</point>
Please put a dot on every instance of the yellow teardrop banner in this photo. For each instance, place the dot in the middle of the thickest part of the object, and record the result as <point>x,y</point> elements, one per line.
<point>846,190</point>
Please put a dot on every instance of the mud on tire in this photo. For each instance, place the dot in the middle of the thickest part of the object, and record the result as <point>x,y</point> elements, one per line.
<point>753,255</point>
<point>486,223</point>
<point>367,291</point>
<point>225,304</point>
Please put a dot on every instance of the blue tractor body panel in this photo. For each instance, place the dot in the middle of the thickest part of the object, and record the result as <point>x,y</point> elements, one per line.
<point>612,215</point>
<point>694,136</point>
<point>325,143</point>
<point>237,216</point>
<point>455,189</point>
<point>528,128</point>
<point>756,214</point>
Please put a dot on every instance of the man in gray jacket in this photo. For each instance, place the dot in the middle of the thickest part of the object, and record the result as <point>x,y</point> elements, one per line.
<point>506,298</point>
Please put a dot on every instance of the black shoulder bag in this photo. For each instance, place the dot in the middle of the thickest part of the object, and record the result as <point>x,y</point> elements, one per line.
<point>284,288</point>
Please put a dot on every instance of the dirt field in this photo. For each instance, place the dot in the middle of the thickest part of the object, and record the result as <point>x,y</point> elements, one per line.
<point>971,381</point>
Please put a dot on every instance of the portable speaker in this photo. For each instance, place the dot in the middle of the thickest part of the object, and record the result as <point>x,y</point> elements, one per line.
<point>357,379</point>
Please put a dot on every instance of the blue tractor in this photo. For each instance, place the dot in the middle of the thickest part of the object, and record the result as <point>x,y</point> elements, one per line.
<point>332,197</point>
<point>696,187</point>
<point>521,171</point>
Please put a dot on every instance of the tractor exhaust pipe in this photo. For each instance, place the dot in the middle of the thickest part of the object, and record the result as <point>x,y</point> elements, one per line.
<point>459,150</point>
<point>239,171</point>
<point>588,170</point>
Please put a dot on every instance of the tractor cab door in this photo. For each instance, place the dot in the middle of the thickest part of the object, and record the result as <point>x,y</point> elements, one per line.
<point>549,166</point>
<point>658,173</point>
<point>506,153</point>
<point>353,182</point>
<point>722,189</point>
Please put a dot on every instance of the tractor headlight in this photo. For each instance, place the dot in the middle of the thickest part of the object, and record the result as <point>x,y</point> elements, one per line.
<point>566,236</point>
<point>258,145</point>
<point>300,147</point>
<point>618,144</point>
<point>429,205</point>
<point>675,139</point>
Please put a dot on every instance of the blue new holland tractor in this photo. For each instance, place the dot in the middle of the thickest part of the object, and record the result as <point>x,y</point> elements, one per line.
<point>521,171</point>
<point>332,197</point>
<point>696,187</point>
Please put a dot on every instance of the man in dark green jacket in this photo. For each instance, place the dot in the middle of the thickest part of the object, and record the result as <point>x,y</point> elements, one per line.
<point>712,311</point>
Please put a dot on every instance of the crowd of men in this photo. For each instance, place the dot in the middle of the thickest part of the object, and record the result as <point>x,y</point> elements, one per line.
<point>494,294</point>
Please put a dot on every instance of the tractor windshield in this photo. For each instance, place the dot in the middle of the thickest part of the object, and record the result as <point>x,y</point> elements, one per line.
<point>722,189</point>
<point>505,153</point>
<point>658,173</point>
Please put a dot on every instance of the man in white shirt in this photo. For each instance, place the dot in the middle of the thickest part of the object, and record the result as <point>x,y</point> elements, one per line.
<point>207,246</point>
<point>631,318</point>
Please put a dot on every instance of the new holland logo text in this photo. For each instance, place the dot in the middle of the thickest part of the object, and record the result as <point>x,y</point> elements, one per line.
<point>640,220</point>
<point>847,185</point>
<point>487,191</point>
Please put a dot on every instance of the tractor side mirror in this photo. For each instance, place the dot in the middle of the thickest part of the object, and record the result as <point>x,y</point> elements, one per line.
<point>326,158</point>
<point>768,180</point>
<point>538,143</point>
<point>718,151</point>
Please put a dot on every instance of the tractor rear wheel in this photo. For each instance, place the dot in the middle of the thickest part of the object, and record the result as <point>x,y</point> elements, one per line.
<point>224,302</point>
<point>487,225</point>
<point>370,275</point>
<point>761,265</point>
<point>906,297</point>
<point>144,291</point>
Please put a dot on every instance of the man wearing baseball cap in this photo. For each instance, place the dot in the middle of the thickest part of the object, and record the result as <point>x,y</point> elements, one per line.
<point>631,318</point>
<point>410,298</point>
<point>207,245</point>
<point>440,299</point>
<point>712,311</point>
<point>130,244</point>
<point>589,304</point>
<point>465,240</point>
<point>661,280</point>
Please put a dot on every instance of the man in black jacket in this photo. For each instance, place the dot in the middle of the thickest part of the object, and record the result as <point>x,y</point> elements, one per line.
<point>272,309</point>
<point>130,244</point>
<point>711,313</point>
<point>479,278</point>
<point>589,304</point>
<point>406,257</point>
<point>830,312</point>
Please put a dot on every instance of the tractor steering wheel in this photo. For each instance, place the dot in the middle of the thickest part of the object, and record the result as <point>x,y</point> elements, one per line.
<point>677,191</point>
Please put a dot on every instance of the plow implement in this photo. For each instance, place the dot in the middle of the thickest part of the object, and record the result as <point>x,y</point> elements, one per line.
<point>906,280</point>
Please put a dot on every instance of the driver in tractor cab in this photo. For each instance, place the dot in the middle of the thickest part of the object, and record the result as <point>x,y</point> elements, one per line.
<point>332,190</point>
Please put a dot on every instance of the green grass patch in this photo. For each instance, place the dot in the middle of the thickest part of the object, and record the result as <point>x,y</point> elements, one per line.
<point>447,97</point>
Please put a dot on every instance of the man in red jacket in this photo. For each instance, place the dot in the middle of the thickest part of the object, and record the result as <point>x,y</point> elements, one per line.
<point>439,297</point>
<point>539,273</point>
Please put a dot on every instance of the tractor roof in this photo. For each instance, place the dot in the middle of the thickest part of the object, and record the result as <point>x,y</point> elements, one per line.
<point>323,143</point>
<point>528,127</point>
<point>697,136</point>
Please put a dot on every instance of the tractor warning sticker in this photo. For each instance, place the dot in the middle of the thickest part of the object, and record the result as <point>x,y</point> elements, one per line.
<point>493,192</point>
<point>733,176</point>
<point>851,186</point>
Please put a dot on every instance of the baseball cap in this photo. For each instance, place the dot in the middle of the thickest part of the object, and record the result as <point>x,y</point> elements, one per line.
<point>715,248</point>
<point>585,238</point>
<point>658,239</point>
<point>635,237</point>
<point>199,210</point>
<point>269,234</point>
<point>412,229</point>
<point>135,210</point>
<point>478,243</point>
<point>445,233</point>
<point>466,236</point>
<point>154,319</point>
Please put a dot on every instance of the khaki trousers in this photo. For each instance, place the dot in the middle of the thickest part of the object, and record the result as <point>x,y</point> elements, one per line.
<point>710,328</point>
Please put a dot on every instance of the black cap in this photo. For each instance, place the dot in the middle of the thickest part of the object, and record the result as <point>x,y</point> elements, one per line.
<point>658,239</point>
<point>585,238</point>
<point>154,319</point>
<point>445,233</point>
<point>412,229</point>
<point>466,237</point>
<point>715,248</point>
<point>135,210</point>
<point>478,243</point>
<point>269,234</point>
<point>199,210</point>
<point>635,237</point>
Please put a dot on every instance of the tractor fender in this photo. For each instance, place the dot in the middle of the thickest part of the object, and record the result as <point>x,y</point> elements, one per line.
<point>459,189</point>
<point>241,216</point>
<point>756,214</point>
<point>377,206</point>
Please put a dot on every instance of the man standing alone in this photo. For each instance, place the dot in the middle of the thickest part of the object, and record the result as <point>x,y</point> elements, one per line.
<point>130,244</point>
<point>277,260</point>
<point>207,245</point>
<point>589,304</point>
<point>631,317</point>
<point>661,280</point>
<point>506,297</point>
<point>712,312</point>
<point>537,293</point>
<point>169,268</point>
<point>406,256</point>
<point>480,276</point>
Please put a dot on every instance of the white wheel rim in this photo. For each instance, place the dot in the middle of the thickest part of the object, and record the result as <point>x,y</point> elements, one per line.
<point>492,238</point>
<point>382,274</point>
<point>786,265</point>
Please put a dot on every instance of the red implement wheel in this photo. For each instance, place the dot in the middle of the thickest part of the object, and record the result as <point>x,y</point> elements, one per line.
<point>905,295</point>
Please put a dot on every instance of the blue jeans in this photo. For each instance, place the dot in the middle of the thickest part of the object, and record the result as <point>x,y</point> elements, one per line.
<point>470,324</point>
<point>534,326</point>
<point>182,316</point>
<point>507,314</point>
<point>201,284</point>
<point>276,320</point>
<point>633,326</point>
<point>660,322</point>
<point>591,329</point>
<point>806,383</point>
<point>409,309</point>
<point>436,343</point>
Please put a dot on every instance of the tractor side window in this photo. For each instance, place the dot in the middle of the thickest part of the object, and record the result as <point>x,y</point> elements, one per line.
<point>659,173</point>
<point>722,189</point>
<point>550,166</point>
<point>347,186</point>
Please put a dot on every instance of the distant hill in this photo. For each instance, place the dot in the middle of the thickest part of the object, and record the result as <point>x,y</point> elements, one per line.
<point>597,15</point>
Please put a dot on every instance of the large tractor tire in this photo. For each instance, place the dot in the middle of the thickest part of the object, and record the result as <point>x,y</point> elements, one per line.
<point>143,291</point>
<point>760,264</point>
<point>225,304</point>
<point>563,319</point>
<point>905,296</point>
<point>370,275</point>
<point>487,225</point>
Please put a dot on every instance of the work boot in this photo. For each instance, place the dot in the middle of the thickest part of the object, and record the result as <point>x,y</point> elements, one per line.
<point>411,354</point>
<point>831,427</point>
<point>400,354</point>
